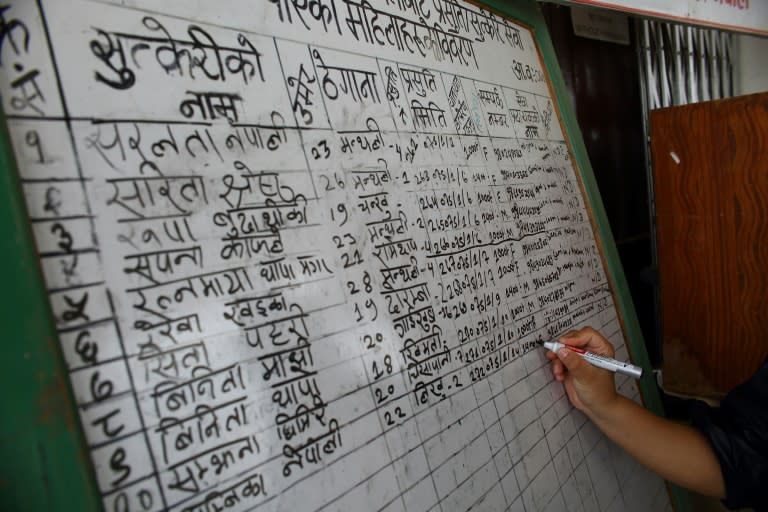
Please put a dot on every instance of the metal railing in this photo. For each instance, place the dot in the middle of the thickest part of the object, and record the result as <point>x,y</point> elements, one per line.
<point>682,64</point>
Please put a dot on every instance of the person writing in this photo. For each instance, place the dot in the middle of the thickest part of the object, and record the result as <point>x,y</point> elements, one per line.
<point>724,454</point>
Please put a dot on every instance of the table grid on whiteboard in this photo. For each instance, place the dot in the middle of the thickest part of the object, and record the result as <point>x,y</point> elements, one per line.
<point>299,255</point>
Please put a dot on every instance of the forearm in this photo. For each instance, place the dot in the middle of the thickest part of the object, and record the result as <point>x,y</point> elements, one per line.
<point>679,453</point>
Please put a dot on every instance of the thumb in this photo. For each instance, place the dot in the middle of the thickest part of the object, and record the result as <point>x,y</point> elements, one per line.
<point>573,362</point>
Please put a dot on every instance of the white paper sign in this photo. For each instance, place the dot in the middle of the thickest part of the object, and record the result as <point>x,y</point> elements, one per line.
<point>600,24</point>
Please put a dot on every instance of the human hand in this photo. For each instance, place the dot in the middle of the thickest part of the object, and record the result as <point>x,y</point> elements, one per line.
<point>590,389</point>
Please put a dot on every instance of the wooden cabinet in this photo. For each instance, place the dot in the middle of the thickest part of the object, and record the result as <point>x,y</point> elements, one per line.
<point>711,185</point>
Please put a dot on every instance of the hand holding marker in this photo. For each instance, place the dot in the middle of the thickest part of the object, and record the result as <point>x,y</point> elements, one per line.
<point>604,362</point>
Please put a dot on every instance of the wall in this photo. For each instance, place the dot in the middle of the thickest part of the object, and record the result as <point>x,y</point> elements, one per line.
<point>751,61</point>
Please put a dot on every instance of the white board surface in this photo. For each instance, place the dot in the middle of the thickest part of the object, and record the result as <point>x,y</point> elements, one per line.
<point>299,254</point>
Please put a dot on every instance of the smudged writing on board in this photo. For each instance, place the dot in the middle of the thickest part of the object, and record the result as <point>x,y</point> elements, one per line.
<point>23,78</point>
<point>409,29</point>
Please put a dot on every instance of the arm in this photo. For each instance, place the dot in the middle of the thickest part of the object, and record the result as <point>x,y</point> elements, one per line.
<point>677,452</point>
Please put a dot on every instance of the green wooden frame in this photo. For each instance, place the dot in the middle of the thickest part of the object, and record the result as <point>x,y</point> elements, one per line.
<point>44,460</point>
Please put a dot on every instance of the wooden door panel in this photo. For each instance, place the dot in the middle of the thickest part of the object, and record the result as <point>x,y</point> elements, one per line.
<point>742,133</point>
<point>711,184</point>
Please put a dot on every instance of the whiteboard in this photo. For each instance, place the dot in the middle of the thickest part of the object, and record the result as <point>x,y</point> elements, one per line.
<point>299,254</point>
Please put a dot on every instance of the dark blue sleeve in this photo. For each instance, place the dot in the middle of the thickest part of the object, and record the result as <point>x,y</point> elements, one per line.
<point>738,433</point>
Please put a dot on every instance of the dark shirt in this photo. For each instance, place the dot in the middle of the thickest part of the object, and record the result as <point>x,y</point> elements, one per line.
<point>738,433</point>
